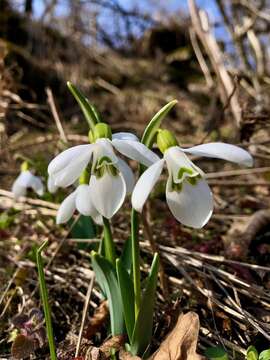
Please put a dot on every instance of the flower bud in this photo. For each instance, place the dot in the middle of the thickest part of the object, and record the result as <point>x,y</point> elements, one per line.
<point>102,130</point>
<point>25,166</point>
<point>165,140</point>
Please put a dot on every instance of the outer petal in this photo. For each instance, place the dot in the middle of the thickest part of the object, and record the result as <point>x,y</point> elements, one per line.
<point>127,173</point>
<point>51,185</point>
<point>25,178</point>
<point>193,205</point>
<point>37,185</point>
<point>66,208</point>
<point>125,136</point>
<point>71,172</point>
<point>145,184</point>
<point>176,159</point>
<point>84,204</point>
<point>108,193</point>
<point>135,151</point>
<point>18,190</point>
<point>222,151</point>
<point>66,157</point>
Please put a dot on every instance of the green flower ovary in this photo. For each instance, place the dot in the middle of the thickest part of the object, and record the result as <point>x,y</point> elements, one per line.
<point>102,130</point>
<point>165,140</point>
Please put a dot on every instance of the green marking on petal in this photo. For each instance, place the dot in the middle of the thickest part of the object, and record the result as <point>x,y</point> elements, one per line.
<point>192,180</point>
<point>184,170</point>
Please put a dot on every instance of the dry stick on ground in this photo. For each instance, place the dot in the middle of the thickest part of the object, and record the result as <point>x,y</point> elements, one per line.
<point>201,26</point>
<point>55,114</point>
<point>85,309</point>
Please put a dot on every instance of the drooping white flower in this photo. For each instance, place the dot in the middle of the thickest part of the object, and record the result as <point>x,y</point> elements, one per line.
<point>187,193</point>
<point>80,199</point>
<point>111,177</point>
<point>27,180</point>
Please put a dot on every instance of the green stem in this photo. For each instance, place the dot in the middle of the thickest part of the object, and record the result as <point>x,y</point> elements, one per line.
<point>109,246</point>
<point>136,259</point>
<point>45,301</point>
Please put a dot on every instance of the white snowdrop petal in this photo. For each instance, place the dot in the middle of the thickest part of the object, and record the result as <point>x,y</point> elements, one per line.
<point>135,151</point>
<point>127,173</point>
<point>193,205</point>
<point>25,178</point>
<point>37,185</point>
<point>18,190</point>
<point>145,185</point>
<point>52,188</point>
<point>223,151</point>
<point>108,193</point>
<point>103,149</point>
<point>72,172</point>
<point>125,136</point>
<point>84,203</point>
<point>177,159</point>
<point>66,208</point>
<point>66,157</point>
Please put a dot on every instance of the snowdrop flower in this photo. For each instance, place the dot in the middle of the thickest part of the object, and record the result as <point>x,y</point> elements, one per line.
<point>26,180</point>
<point>80,199</point>
<point>111,177</point>
<point>187,193</point>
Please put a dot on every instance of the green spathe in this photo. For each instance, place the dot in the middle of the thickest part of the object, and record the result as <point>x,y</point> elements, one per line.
<point>165,140</point>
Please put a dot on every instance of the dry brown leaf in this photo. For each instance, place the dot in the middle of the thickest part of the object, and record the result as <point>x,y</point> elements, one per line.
<point>97,321</point>
<point>181,343</point>
<point>124,355</point>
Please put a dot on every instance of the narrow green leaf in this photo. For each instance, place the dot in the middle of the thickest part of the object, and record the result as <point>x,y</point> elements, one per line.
<point>84,228</point>
<point>127,294</point>
<point>265,355</point>
<point>96,113</point>
<point>252,353</point>
<point>107,279</point>
<point>216,353</point>
<point>144,323</point>
<point>85,106</point>
<point>126,256</point>
<point>148,137</point>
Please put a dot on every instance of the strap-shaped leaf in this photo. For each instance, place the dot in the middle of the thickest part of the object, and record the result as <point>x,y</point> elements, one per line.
<point>85,106</point>
<point>144,323</point>
<point>106,277</point>
<point>216,353</point>
<point>149,134</point>
<point>127,293</point>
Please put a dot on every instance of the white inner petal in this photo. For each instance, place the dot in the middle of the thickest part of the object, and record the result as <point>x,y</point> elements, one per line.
<point>108,193</point>
<point>179,165</point>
